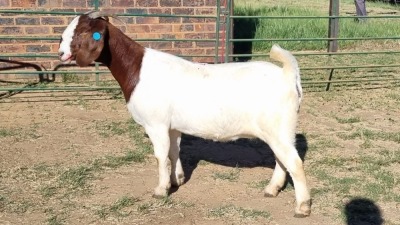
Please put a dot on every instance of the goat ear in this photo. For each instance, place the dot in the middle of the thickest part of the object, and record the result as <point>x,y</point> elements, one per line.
<point>90,49</point>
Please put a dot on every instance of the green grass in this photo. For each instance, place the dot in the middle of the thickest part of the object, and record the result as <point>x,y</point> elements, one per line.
<point>7,132</point>
<point>348,120</point>
<point>129,128</point>
<point>118,208</point>
<point>231,210</point>
<point>232,175</point>
<point>303,28</point>
<point>368,134</point>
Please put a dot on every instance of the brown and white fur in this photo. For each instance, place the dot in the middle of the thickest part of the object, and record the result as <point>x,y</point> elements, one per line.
<point>168,96</point>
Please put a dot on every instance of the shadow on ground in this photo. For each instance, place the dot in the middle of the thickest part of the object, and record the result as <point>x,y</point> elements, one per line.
<point>362,211</point>
<point>243,153</point>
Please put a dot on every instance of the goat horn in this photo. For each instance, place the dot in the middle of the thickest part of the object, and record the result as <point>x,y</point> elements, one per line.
<point>98,14</point>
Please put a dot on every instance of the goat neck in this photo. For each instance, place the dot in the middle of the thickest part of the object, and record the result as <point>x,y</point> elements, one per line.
<point>123,57</point>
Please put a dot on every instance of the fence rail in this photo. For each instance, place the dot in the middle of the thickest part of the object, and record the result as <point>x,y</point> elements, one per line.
<point>224,23</point>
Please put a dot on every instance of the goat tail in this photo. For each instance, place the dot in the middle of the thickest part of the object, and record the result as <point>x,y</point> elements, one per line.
<point>290,66</point>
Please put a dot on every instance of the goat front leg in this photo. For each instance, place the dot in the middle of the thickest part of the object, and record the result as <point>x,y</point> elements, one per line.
<point>159,136</point>
<point>177,174</point>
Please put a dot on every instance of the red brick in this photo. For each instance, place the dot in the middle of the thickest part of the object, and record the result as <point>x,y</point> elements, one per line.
<point>193,3</point>
<point>204,27</point>
<point>125,3</point>
<point>171,3</point>
<point>58,30</point>
<point>23,3</point>
<point>194,35</point>
<point>147,3</point>
<point>27,21</point>
<point>50,3</point>
<point>183,44</point>
<point>161,45</point>
<point>138,28</point>
<point>6,21</point>
<point>183,28</point>
<point>213,2</point>
<point>38,48</point>
<point>147,20</point>
<point>193,20</point>
<point>170,20</point>
<point>160,28</point>
<point>10,30</point>
<point>52,20</point>
<point>74,3</point>
<point>160,11</point>
<point>205,44</point>
<point>183,11</point>
<point>11,48</point>
<point>37,30</point>
<point>4,3</point>
<point>206,11</point>
<point>191,51</point>
<point>113,10</point>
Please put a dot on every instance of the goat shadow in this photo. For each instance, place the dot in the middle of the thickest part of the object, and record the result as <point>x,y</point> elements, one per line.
<point>244,28</point>
<point>242,153</point>
<point>363,211</point>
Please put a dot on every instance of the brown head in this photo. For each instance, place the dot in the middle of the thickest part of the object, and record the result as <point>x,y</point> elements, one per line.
<point>90,37</point>
<point>83,39</point>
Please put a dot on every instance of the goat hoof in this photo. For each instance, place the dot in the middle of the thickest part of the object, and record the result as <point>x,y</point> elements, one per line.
<point>304,210</point>
<point>271,191</point>
<point>177,181</point>
<point>297,215</point>
<point>160,193</point>
<point>268,195</point>
<point>158,196</point>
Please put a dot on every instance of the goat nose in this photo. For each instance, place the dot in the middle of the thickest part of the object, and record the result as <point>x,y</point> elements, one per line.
<point>60,54</point>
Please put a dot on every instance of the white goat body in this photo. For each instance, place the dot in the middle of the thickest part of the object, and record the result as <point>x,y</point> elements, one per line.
<point>219,102</point>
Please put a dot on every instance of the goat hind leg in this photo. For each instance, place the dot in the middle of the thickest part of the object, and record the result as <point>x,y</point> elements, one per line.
<point>287,154</point>
<point>277,180</point>
<point>177,174</point>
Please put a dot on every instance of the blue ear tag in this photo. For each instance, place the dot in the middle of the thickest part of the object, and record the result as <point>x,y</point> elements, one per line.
<point>96,36</point>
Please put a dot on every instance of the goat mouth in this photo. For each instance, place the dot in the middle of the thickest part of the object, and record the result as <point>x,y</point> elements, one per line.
<point>67,60</point>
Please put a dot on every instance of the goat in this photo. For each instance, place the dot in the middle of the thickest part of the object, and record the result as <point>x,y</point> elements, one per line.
<point>168,95</point>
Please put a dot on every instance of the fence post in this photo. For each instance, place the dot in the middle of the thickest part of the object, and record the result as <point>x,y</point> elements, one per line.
<point>228,27</point>
<point>217,28</point>
<point>97,75</point>
<point>333,33</point>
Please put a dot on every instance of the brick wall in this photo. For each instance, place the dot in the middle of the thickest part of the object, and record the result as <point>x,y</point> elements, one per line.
<point>45,25</point>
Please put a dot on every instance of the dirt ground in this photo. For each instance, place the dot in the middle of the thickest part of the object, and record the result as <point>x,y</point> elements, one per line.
<point>59,151</point>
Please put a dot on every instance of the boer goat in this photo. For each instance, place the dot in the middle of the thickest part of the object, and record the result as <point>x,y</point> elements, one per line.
<point>168,96</point>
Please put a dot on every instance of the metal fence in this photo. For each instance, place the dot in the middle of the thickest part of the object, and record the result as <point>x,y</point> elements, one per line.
<point>224,32</point>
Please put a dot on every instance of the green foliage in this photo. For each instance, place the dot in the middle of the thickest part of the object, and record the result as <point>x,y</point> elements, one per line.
<point>303,28</point>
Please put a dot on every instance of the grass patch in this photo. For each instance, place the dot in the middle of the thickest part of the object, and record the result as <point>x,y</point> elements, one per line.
<point>55,220</point>
<point>129,128</point>
<point>231,176</point>
<point>348,120</point>
<point>117,209</point>
<point>7,132</point>
<point>166,202</point>
<point>230,211</point>
<point>276,28</point>
<point>372,135</point>
<point>259,184</point>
